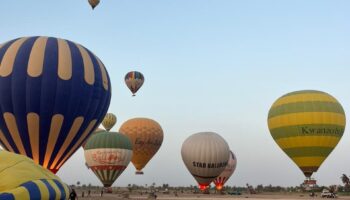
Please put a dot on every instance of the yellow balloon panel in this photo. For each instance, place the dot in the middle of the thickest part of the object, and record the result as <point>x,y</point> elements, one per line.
<point>21,178</point>
<point>109,121</point>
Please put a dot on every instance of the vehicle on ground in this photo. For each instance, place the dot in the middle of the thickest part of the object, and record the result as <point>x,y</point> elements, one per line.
<point>327,194</point>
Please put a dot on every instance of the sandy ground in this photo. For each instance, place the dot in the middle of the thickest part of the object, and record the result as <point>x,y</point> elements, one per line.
<point>208,197</point>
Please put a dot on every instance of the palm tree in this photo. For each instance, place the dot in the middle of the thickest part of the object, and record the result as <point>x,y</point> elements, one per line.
<point>345,179</point>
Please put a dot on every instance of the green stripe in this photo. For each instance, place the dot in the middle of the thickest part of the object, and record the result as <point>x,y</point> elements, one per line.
<point>310,106</point>
<point>305,92</point>
<point>104,139</point>
<point>99,176</point>
<point>307,130</point>
<point>108,177</point>
<point>308,151</point>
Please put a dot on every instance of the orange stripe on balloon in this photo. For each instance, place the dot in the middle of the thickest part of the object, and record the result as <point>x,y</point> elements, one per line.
<point>78,143</point>
<point>8,60</point>
<point>89,73</point>
<point>33,130</point>
<point>64,60</point>
<point>55,128</point>
<point>72,133</point>
<point>5,142</point>
<point>11,124</point>
<point>36,58</point>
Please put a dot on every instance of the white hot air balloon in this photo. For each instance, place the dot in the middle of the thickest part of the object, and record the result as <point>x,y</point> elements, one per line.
<point>205,155</point>
<point>227,173</point>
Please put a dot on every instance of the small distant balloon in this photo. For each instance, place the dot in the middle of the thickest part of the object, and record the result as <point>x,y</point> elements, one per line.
<point>134,80</point>
<point>109,121</point>
<point>94,3</point>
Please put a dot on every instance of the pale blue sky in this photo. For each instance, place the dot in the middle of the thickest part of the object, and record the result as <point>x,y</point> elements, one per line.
<point>209,65</point>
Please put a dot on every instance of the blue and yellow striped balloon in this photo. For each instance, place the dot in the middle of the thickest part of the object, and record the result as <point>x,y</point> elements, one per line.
<point>307,125</point>
<point>53,94</point>
<point>36,190</point>
<point>21,179</point>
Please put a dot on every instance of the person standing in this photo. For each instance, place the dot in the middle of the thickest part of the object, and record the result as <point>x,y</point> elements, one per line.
<point>73,195</point>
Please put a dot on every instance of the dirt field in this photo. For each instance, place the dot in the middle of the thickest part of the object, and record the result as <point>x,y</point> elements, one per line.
<point>207,197</point>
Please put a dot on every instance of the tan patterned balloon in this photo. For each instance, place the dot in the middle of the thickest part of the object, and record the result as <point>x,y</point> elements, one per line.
<point>146,136</point>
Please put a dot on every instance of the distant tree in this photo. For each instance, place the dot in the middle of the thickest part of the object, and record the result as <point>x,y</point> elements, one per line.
<point>345,179</point>
<point>333,188</point>
<point>78,183</point>
<point>260,188</point>
<point>134,186</point>
<point>340,188</point>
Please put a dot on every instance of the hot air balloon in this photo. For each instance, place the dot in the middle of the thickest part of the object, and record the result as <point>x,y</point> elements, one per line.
<point>95,131</point>
<point>109,121</point>
<point>146,136</point>
<point>108,154</point>
<point>21,178</point>
<point>307,125</point>
<point>53,94</point>
<point>227,173</point>
<point>134,80</point>
<point>205,155</point>
<point>94,3</point>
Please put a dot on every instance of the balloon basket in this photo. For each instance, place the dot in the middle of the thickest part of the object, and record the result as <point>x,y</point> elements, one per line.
<point>309,184</point>
<point>108,189</point>
<point>139,172</point>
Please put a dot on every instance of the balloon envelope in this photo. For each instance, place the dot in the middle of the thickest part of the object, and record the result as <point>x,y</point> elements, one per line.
<point>96,131</point>
<point>146,136</point>
<point>94,3</point>
<point>227,173</point>
<point>108,154</point>
<point>205,155</point>
<point>53,94</point>
<point>21,178</point>
<point>134,80</point>
<point>109,121</point>
<point>307,125</point>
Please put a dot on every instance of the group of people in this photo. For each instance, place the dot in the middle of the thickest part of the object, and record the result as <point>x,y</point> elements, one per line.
<point>73,195</point>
